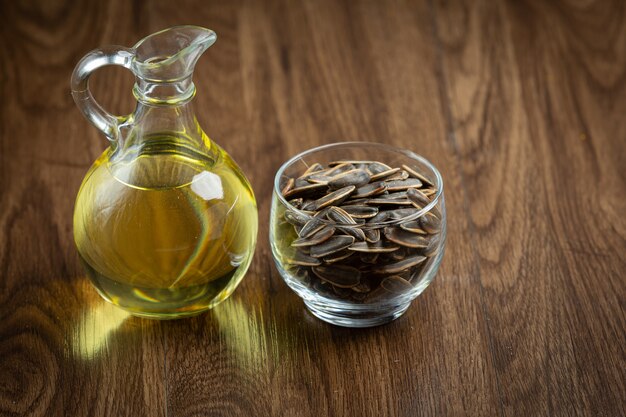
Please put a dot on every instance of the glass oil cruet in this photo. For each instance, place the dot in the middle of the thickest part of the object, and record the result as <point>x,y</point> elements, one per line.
<point>165,222</point>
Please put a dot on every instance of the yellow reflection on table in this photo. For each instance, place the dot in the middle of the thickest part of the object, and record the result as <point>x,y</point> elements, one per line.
<point>91,333</point>
<point>242,330</point>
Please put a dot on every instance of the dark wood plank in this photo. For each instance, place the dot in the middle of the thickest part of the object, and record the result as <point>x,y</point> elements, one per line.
<point>536,93</point>
<point>63,351</point>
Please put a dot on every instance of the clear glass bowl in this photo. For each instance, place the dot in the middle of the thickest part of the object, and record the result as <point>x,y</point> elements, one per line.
<point>365,269</point>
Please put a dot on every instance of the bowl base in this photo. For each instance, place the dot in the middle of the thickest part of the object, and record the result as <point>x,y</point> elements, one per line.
<point>355,318</point>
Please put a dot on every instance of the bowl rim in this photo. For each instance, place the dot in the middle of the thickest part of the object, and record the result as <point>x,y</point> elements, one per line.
<point>377,145</point>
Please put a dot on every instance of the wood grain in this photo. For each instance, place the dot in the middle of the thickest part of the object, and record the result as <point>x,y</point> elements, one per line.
<point>534,91</point>
<point>520,105</point>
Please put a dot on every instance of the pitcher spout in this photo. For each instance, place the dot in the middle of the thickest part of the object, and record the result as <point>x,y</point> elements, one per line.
<point>171,54</point>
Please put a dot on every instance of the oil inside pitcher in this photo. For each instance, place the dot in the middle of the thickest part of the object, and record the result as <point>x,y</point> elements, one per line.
<point>165,222</point>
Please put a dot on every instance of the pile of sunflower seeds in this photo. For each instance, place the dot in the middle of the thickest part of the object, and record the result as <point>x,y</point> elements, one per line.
<point>342,249</point>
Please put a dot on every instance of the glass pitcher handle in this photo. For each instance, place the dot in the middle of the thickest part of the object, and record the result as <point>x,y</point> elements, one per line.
<point>100,118</point>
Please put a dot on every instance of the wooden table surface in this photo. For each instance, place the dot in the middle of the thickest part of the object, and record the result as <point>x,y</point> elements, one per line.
<point>521,104</point>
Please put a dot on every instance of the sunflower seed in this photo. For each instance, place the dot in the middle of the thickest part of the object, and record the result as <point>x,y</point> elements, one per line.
<point>341,276</point>
<point>348,161</point>
<point>404,238</point>
<point>384,174</point>
<point>339,215</point>
<point>334,198</point>
<point>295,218</point>
<point>302,259</point>
<point>355,232</point>
<point>418,198</point>
<point>318,179</point>
<point>312,226</point>
<point>336,257</point>
<point>306,190</point>
<point>372,235</point>
<point>395,196</point>
<point>401,213</point>
<point>337,169</point>
<point>321,213</point>
<point>397,267</point>
<point>356,201</point>
<point>356,177</point>
<point>371,189</point>
<point>378,247</point>
<point>300,182</point>
<point>401,185</point>
<point>377,167</point>
<point>288,187</point>
<point>360,212</point>
<point>433,246</point>
<point>307,205</point>
<point>383,201</point>
<point>363,166</point>
<point>415,174</point>
<point>316,238</point>
<point>379,218</point>
<point>377,294</point>
<point>430,223</point>
<point>429,191</point>
<point>398,176</point>
<point>332,245</point>
<point>413,226</point>
<point>296,202</point>
<point>313,168</point>
<point>396,285</point>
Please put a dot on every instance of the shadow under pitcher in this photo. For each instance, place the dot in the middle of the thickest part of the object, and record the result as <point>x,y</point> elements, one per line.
<point>165,221</point>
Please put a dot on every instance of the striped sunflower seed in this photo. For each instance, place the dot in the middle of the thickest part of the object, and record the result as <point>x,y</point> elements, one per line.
<point>430,223</point>
<point>332,245</point>
<point>372,235</point>
<point>384,174</point>
<point>396,285</point>
<point>339,215</point>
<point>401,266</point>
<point>302,259</point>
<point>413,226</point>
<point>316,238</point>
<point>377,167</point>
<point>402,185</point>
<point>371,189</point>
<point>384,201</point>
<point>336,257</point>
<point>415,174</point>
<point>341,276</point>
<point>418,198</point>
<point>378,247</point>
<point>356,177</point>
<point>306,190</point>
<point>398,176</point>
<point>312,226</point>
<point>404,238</point>
<point>360,212</point>
<point>313,168</point>
<point>295,218</point>
<point>334,198</point>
